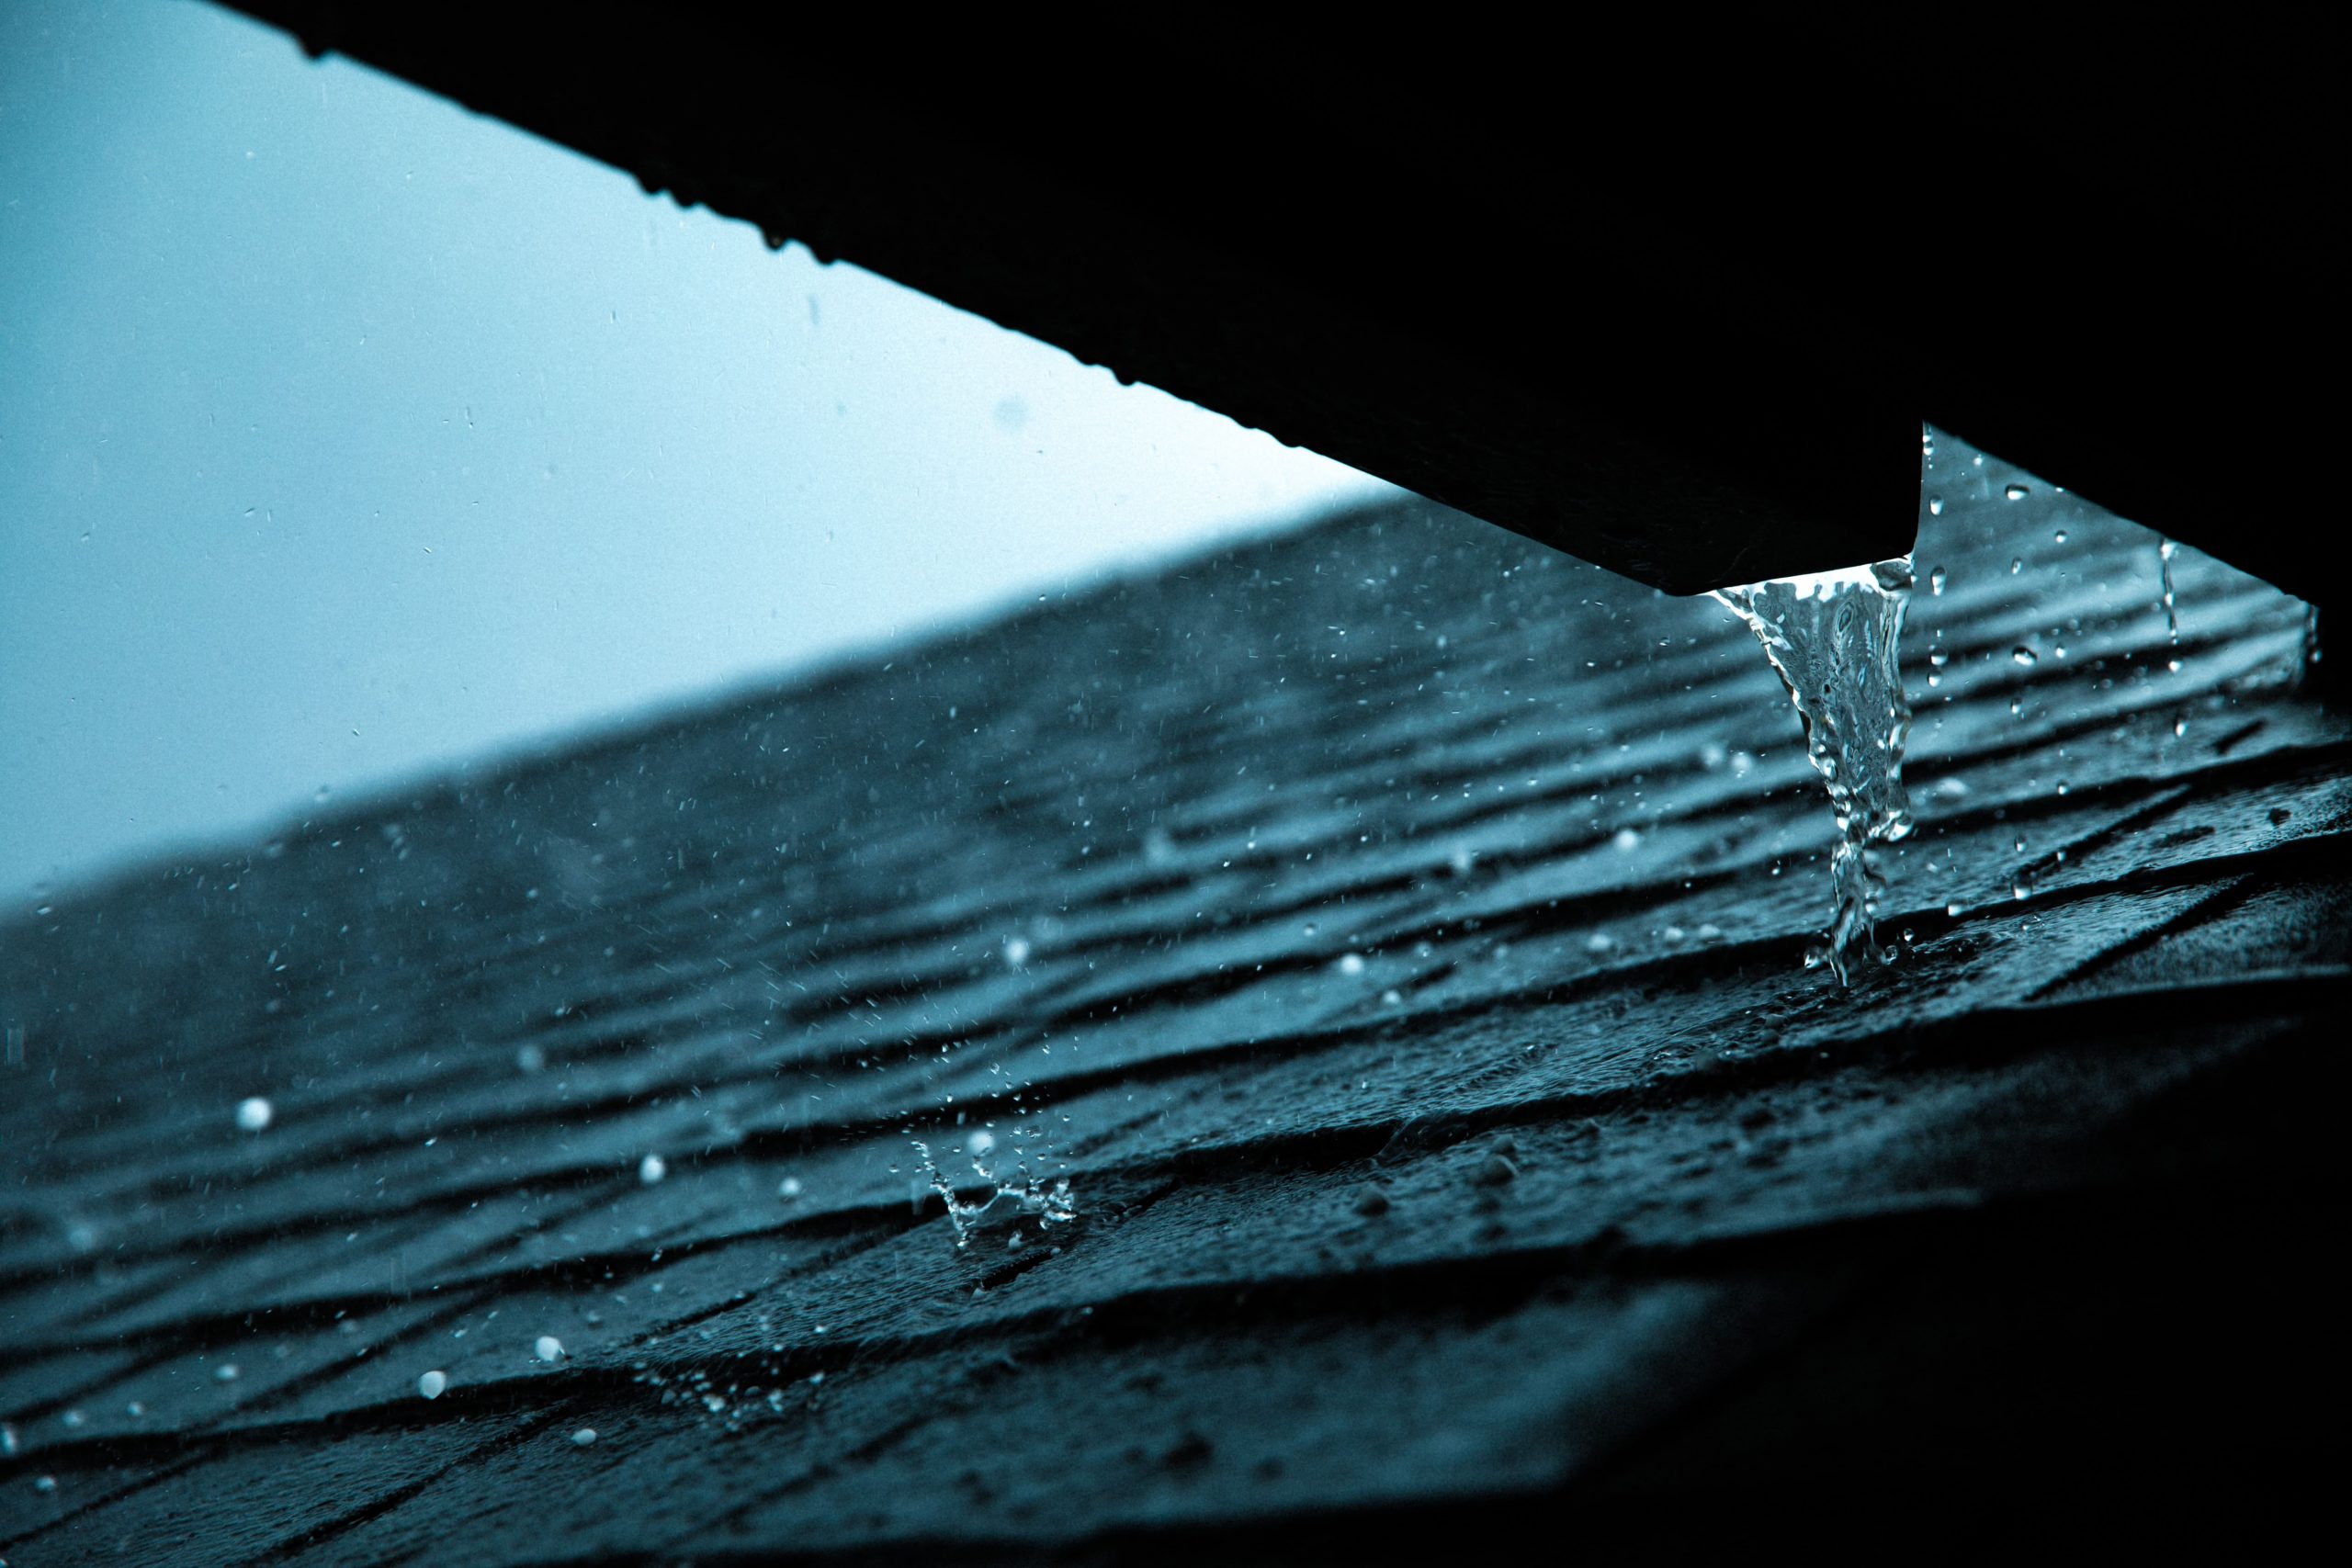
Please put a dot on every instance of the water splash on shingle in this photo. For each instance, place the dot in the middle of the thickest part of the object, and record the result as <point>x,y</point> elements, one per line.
<point>1026,1195</point>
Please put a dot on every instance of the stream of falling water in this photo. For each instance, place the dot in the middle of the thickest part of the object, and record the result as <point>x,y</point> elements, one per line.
<point>1832,639</point>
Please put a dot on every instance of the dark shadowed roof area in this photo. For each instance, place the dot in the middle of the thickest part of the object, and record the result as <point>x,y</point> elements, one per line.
<point>1392,934</point>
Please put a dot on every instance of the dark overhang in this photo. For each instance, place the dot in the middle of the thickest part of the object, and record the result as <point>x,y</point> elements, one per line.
<point>1675,303</point>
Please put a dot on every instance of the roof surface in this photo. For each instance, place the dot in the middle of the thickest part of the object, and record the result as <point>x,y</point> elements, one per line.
<point>1393,933</point>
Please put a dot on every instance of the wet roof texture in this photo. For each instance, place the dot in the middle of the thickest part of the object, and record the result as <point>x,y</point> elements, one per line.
<point>1392,933</point>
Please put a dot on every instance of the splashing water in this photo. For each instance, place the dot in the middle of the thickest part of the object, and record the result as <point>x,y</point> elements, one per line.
<point>1029,1195</point>
<point>1832,639</point>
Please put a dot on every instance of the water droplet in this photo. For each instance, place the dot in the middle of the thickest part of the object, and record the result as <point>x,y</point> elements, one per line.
<point>712,1404</point>
<point>1935,507</point>
<point>2017,493</point>
<point>789,1188</point>
<point>1939,658</point>
<point>2022,654</point>
<point>44,1483</point>
<point>1600,942</point>
<point>2017,565</point>
<point>1016,951</point>
<point>1952,910</point>
<point>433,1384</point>
<point>254,1114</point>
<point>1626,841</point>
<point>530,1058</point>
<point>2021,888</point>
<point>225,1373</point>
<point>981,1141</point>
<point>2060,536</point>
<point>1936,581</point>
<point>1349,963</point>
<point>651,1168</point>
<point>2179,728</point>
<point>548,1347</point>
<point>2061,786</point>
<point>7,1440</point>
<point>323,795</point>
<point>584,1437</point>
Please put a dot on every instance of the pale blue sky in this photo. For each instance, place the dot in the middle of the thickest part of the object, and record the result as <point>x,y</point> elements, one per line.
<point>344,436</point>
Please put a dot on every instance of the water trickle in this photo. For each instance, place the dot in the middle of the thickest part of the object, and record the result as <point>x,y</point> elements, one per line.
<point>2164,548</point>
<point>1832,639</point>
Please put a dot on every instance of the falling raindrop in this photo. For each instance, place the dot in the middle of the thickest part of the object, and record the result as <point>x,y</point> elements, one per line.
<point>254,1113</point>
<point>651,1168</point>
<point>1626,841</point>
<point>2172,615</point>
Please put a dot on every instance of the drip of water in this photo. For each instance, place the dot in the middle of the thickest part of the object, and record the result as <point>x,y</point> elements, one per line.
<point>2172,618</point>
<point>1832,639</point>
